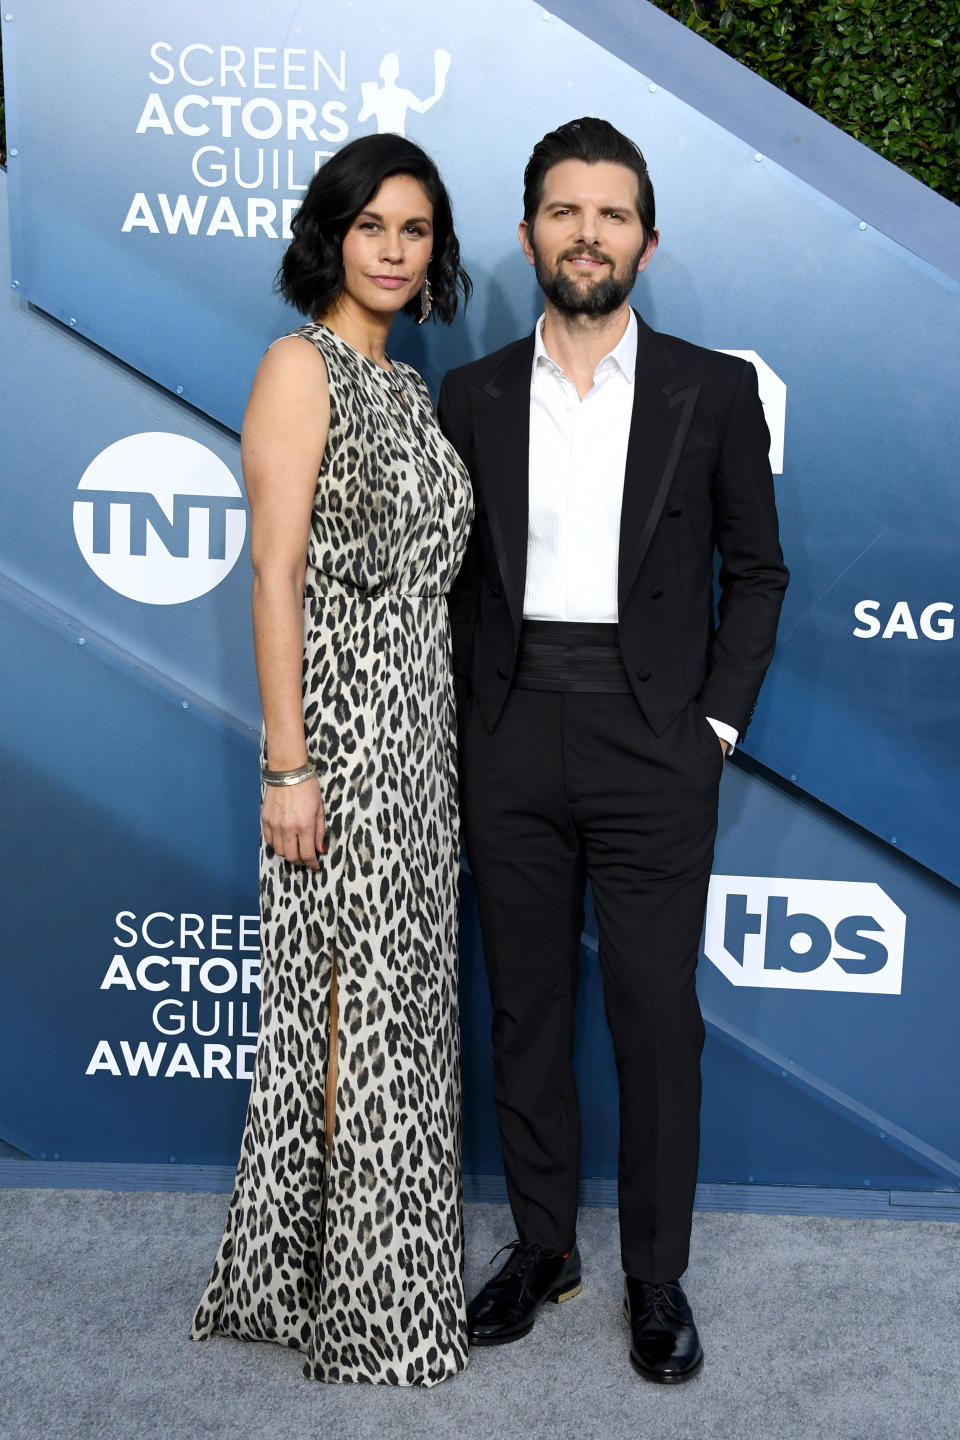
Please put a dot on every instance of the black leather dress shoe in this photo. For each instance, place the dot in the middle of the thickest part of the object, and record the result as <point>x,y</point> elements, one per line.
<point>507,1306</point>
<point>665,1346</point>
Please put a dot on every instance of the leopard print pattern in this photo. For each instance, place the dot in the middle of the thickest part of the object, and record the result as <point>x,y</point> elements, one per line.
<point>358,1262</point>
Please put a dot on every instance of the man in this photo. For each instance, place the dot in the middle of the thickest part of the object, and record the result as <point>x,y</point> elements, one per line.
<point>599,694</point>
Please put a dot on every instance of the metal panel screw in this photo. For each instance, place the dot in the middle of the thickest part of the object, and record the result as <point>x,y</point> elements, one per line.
<point>73,319</point>
<point>184,705</point>
<point>8,18</point>
<point>13,153</point>
<point>653,89</point>
<point>179,389</point>
<point>14,284</point>
<point>863,224</point>
<point>758,157</point>
<point>81,641</point>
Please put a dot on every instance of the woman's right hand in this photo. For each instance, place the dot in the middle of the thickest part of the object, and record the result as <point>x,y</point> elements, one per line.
<point>293,821</point>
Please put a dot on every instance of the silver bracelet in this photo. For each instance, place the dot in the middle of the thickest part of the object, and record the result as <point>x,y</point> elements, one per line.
<point>287,777</point>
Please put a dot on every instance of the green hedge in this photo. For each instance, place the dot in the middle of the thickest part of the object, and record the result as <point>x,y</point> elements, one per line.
<point>885,71</point>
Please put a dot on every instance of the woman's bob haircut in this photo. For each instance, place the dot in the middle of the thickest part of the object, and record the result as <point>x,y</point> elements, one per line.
<point>311,273</point>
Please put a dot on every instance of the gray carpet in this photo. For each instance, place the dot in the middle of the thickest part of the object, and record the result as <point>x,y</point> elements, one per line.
<point>834,1329</point>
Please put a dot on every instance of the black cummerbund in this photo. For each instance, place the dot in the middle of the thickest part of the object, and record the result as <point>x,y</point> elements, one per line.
<point>570,655</point>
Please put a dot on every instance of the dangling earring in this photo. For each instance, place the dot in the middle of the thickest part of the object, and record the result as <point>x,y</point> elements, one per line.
<point>426,300</point>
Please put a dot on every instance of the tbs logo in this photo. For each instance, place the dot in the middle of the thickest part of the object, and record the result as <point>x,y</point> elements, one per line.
<point>805,935</point>
<point>159,518</point>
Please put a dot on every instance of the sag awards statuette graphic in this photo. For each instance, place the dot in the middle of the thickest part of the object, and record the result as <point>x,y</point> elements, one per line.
<point>389,102</point>
<point>159,518</point>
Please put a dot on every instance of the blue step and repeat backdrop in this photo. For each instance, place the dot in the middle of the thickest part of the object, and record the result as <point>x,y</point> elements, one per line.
<point>157,153</point>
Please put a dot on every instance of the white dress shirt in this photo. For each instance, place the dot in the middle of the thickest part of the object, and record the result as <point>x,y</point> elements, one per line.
<point>578,455</point>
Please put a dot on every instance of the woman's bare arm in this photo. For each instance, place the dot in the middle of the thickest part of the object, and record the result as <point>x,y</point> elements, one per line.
<point>284,435</point>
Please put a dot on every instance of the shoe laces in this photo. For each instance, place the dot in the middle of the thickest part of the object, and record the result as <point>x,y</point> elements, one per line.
<point>664,1297</point>
<point>522,1257</point>
<point>525,1252</point>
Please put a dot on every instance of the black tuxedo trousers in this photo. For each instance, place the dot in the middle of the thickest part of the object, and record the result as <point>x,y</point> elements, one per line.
<point>569,786</point>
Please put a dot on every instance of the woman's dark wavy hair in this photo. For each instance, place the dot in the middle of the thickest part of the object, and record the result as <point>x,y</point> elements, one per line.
<point>311,272</point>
<point>593,141</point>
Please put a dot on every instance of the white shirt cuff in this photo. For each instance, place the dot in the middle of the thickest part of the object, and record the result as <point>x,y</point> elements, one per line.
<point>725,732</point>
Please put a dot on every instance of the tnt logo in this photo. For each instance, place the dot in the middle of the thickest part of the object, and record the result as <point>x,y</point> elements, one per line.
<point>159,518</point>
<point>805,935</point>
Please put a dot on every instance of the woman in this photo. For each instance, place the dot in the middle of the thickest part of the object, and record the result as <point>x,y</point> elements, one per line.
<point>344,1237</point>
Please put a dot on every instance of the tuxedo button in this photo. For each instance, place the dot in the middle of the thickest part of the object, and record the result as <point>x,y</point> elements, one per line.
<point>656,592</point>
<point>644,674</point>
<point>674,512</point>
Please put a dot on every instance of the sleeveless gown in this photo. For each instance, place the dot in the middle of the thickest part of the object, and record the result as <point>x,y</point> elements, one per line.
<point>357,1261</point>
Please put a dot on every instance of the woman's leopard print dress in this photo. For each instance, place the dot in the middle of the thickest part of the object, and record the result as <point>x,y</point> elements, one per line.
<point>358,1263</point>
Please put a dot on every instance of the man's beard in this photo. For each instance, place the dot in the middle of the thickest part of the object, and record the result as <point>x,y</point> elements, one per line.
<point>600,298</point>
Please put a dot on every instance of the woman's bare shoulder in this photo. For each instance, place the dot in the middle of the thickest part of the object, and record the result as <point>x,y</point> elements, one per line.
<point>295,351</point>
<point>292,365</point>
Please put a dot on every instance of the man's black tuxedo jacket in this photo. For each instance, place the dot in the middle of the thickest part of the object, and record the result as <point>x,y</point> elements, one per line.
<point>697,480</point>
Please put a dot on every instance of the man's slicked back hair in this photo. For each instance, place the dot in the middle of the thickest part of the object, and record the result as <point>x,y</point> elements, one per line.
<point>595,142</point>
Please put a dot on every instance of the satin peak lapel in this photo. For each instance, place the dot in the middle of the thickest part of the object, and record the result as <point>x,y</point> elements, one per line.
<point>501,420</point>
<point>663,405</point>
